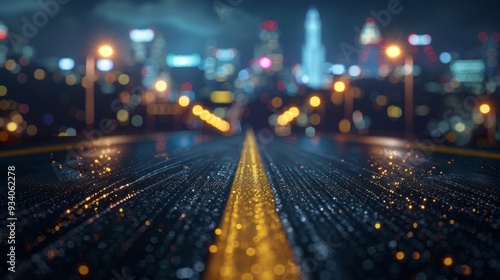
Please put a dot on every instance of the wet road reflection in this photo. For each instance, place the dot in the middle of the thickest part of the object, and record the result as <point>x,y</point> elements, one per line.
<point>150,208</point>
<point>375,212</point>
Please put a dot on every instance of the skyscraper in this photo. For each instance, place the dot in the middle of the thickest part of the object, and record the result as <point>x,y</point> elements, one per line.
<point>371,40</point>
<point>313,52</point>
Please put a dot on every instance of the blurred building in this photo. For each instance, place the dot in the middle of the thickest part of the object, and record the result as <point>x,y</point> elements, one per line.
<point>313,52</point>
<point>149,52</point>
<point>4,31</point>
<point>268,53</point>
<point>219,64</point>
<point>370,40</point>
<point>489,54</point>
<point>156,62</point>
<point>141,40</point>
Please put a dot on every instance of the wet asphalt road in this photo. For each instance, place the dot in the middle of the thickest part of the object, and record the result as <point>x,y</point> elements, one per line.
<point>147,208</point>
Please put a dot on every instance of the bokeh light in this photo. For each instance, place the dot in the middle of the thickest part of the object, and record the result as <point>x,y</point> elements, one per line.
<point>3,90</point>
<point>161,85</point>
<point>31,130</point>
<point>265,62</point>
<point>314,101</point>
<point>48,119</point>
<point>344,126</point>
<point>39,74</point>
<point>104,64</point>
<point>394,111</point>
<point>122,115</point>
<point>123,79</point>
<point>447,261</point>
<point>184,101</point>
<point>105,51</point>
<point>197,109</point>
<point>276,102</point>
<point>339,86</point>
<point>137,121</point>
<point>393,51</point>
<point>445,57</point>
<point>12,126</point>
<point>484,108</point>
<point>66,64</point>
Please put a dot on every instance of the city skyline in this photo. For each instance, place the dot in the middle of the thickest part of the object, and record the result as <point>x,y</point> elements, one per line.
<point>337,28</point>
<point>222,74</point>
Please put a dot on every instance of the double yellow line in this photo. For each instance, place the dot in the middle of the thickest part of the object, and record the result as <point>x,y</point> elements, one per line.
<point>250,241</point>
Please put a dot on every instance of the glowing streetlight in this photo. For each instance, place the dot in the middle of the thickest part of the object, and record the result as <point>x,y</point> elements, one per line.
<point>104,51</point>
<point>394,52</point>
<point>491,121</point>
<point>347,93</point>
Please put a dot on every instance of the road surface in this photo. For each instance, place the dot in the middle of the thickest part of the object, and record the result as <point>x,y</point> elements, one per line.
<point>195,206</point>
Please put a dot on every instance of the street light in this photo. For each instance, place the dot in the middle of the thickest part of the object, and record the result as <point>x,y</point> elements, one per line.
<point>104,51</point>
<point>341,87</point>
<point>394,52</point>
<point>491,121</point>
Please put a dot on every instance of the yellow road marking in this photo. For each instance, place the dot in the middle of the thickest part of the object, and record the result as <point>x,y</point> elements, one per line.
<point>99,142</point>
<point>35,150</point>
<point>251,242</point>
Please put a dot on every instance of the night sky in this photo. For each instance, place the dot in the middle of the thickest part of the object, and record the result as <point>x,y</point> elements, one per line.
<point>187,24</point>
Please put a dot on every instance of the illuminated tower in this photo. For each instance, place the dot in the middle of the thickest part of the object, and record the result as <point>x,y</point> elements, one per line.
<point>313,52</point>
<point>371,39</point>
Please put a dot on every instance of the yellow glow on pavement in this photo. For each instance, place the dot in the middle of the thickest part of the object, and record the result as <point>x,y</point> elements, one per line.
<point>252,243</point>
